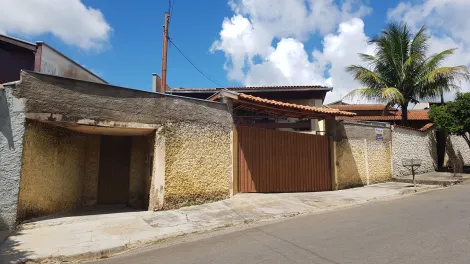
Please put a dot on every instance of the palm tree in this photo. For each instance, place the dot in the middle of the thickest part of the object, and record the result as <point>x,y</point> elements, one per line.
<point>400,72</point>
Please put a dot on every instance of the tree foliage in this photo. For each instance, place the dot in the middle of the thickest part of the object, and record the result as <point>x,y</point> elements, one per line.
<point>453,117</point>
<point>401,73</point>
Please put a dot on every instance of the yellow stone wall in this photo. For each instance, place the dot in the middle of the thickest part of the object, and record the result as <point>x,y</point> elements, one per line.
<point>361,162</point>
<point>52,171</point>
<point>198,165</point>
<point>379,160</point>
<point>350,163</point>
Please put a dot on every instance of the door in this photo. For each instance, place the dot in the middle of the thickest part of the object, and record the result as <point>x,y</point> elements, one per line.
<point>279,161</point>
<point>115,157</point>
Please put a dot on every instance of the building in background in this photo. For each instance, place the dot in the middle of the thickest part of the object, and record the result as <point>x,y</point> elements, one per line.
<point>417,118</point>
<point>17,55</point>
<point>308,95</point>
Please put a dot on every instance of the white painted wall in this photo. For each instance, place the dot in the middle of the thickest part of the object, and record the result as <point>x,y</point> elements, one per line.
<point>54,63</point>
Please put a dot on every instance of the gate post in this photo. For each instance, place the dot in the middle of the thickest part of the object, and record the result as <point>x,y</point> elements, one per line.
<point>235,162</point>
<point>331,133</point>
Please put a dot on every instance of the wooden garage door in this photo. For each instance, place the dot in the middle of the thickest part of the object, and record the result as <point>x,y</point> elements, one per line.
<point>278,161</point>
<point>115,158</point>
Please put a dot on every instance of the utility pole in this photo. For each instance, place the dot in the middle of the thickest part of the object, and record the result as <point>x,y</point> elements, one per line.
<point>165,52</point>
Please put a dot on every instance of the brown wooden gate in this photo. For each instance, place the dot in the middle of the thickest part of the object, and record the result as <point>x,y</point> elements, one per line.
<point>278,161</point>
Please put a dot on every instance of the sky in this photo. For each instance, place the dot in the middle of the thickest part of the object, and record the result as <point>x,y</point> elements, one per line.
<point>234,42</point>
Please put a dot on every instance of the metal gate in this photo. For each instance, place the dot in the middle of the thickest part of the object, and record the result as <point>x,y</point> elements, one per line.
<point>278,161</point>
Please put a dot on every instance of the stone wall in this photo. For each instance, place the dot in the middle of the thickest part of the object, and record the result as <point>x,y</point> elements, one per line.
<point>12,119</point>
<point>53,170</point>
<point>457,152</point>
<point>198,163</point>
<point>413,144</point>
<point>361,158</point>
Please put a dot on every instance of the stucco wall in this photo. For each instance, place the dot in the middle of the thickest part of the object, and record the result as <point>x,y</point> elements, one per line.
<point>198,163</point>
<point>12,119</point>
<point>91,170</point>
<point>413,144</point>
<point>361,159</point>
<point>139,170</point>
<point>53,170</point>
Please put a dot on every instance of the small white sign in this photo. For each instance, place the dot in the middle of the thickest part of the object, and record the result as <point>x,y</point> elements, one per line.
<point>379,131</point>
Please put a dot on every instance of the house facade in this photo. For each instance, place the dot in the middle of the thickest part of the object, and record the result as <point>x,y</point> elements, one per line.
<point>66,144</point>
<point>20,55</point>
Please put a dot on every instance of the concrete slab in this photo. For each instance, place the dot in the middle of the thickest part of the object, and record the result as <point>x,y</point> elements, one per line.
<point>435,178</point>
<point>90,236</point>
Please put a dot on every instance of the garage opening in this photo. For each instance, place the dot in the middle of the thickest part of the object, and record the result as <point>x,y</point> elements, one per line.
<point>114,177</point>
<point>78,169</point>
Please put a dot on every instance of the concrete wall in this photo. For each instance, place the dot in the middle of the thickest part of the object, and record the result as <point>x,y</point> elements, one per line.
<point>55,63</point>
<point>413,144</point>
<point>361,159</point>
<point>12,119</point>
<point>198,163</point>
<point>53,170</point>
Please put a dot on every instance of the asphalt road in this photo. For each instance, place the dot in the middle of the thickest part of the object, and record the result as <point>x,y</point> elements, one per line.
<point>431,227</point>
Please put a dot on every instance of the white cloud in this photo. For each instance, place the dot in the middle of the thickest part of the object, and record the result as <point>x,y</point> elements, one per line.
<point>69,20</point>
<point>246,39</point>
<point>340,51</point>
<point>448,23</point>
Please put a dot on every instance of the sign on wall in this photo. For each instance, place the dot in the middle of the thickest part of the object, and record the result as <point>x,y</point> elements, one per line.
<point>379,134</point>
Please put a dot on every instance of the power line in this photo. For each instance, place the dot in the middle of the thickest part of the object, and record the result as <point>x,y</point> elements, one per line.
<point>172,7</point>
<point>207,77</point>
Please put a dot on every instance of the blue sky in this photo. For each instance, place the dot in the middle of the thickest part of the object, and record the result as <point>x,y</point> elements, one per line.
<point>130,51</point>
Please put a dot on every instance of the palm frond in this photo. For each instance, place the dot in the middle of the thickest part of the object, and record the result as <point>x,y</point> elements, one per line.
<point>365,76</point>
<point>388,95</point>
<point>392,95</point>
<point>419,43</point>
<point>435,60</point>
<point>448,74</point>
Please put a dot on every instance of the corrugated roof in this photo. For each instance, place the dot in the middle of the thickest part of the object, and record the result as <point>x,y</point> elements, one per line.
<point>253,88</point>
<point>361,107</point>
<point>319,110</point>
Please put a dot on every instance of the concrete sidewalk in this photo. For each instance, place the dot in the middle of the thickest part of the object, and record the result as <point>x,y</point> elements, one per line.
<point>102,235</point>
<point>435,178</point>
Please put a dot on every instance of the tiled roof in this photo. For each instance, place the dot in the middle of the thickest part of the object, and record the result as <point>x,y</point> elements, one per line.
<point>412,115</point>
<point>423,129</point>
<point>361,107</point>
<point>320,110</point>
<point>251,88</point>
<point>426,127</point>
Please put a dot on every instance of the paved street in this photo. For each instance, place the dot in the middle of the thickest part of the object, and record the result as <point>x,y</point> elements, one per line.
<point>431,227</point>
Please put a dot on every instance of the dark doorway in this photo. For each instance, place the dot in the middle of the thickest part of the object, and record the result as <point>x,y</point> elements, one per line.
<point>441,149</point>
<point>115,157</point>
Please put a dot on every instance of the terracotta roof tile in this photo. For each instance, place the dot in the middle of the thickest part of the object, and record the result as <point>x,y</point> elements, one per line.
<point>362,107</point>
<point>426,127</point>
<point>423,129</point>
<point>412,115</point>
<point>320,110</point>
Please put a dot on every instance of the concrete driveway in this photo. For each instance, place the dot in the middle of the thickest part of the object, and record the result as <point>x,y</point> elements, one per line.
<point>89,236</point>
